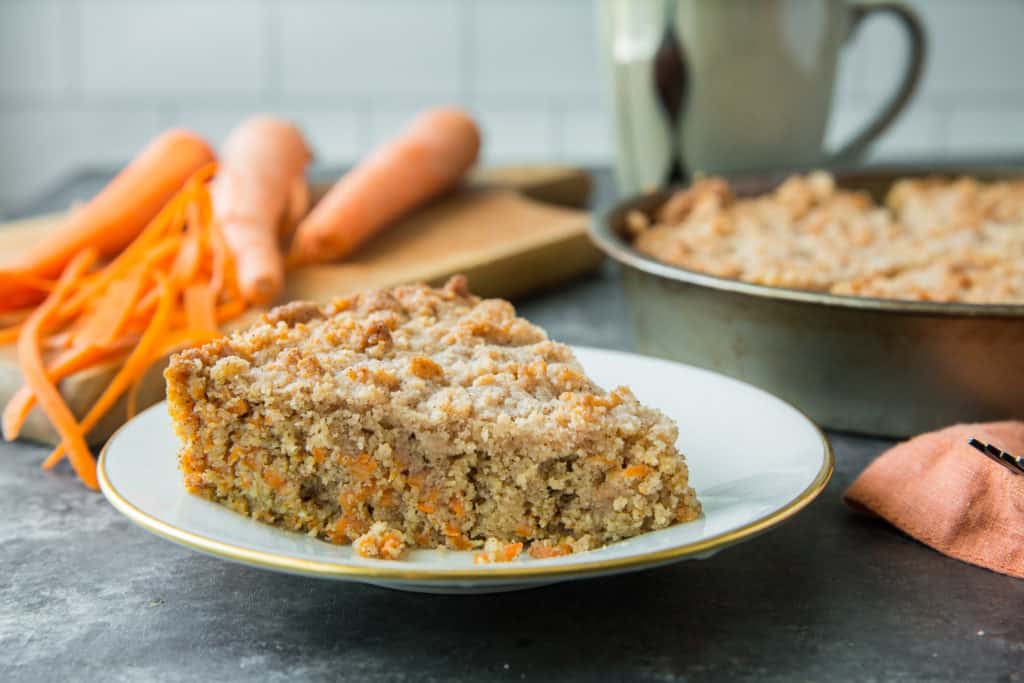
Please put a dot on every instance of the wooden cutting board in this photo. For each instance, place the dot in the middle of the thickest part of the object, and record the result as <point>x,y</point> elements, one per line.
<point>510,230</point>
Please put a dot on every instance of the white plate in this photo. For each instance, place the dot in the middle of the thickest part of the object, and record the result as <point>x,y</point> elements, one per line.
<point>754,460</point>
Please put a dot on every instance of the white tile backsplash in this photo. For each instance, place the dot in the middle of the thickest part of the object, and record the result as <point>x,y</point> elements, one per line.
<point>586,133</point>
<point>88,81</point>
<point>535,47</point>
<point>979,131</point>
<point>917,132</point>
<point>516,134</point>
<point>172,49</point>
<point>977,47</point>
<point>370,48</point>
<point>30,48</point>
<point>974,47</point>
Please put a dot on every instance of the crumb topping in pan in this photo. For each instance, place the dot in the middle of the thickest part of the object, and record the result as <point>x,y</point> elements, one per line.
<point>933,240</point>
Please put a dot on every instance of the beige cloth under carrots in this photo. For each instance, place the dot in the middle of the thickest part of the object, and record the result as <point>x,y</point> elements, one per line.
<point>940,491</point>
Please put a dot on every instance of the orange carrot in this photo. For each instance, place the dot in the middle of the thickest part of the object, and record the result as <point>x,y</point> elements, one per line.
<point>16,291</point>
<point>67,363</point>
<point>140,358</point>
<point>31,361</point>
<point>58,340</point>
<point>105,322</point>
<point>10,319</point>
<point>200,307</point>
<point>153,254</point>
<point>147,303</point>
<point>158,240</point>
<point>186,263</point>
<point>114,217</point>
<point>12,277</point>
<point>220,278</point>
<point>261,162</point>
<point>230,310</point>
<point>426,159</point>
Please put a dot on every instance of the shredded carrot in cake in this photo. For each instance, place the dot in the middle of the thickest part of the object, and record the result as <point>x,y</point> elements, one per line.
<point>496,551</point>
<point>634,471</point>
<point>380,542</point>
<point>542,550</point>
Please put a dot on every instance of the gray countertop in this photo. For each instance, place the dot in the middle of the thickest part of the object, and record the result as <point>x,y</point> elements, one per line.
<point>829,595</point>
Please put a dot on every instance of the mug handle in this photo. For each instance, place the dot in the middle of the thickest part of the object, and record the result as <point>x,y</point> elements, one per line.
<point>911,23</point>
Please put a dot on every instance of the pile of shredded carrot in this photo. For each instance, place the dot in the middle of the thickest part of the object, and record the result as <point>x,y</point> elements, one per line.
<point>171,287</point>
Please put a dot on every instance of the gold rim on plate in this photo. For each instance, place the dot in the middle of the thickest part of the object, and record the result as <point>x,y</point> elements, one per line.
<point>490,574</point>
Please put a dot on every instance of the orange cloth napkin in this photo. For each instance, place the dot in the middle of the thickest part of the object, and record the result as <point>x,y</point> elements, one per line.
<point>940,491</point>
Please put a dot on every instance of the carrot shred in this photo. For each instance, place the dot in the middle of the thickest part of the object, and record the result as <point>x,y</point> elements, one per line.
<point>67,363</point>
<point>200,307</point>
<point>218,260</point>
<point>9,335</point>
<point>186,265</point>
<point>27,279</point>
<point>147,303</point>
<point>634,471</point>
<point>105,322</point>
<point>60,340</point>
<point>168,217</point>
<point>231,310</point>
<point>137,362</point>
<point>31,360</point>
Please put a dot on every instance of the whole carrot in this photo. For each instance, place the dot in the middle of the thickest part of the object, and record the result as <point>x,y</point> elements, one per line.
<point>113,218</point>
<point>261,162</point>
<point>426,159</point>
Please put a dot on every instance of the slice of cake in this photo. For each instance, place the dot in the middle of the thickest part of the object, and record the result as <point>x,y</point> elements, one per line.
<point>442,417</point>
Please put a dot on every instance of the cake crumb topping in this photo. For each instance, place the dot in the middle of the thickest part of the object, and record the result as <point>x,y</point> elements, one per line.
<point>933,239</point>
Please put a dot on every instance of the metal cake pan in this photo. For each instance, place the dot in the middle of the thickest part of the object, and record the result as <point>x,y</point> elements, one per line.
<point>875,366</point>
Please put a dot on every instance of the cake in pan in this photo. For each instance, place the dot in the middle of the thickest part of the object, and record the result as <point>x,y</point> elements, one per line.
<point>934,239</point>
